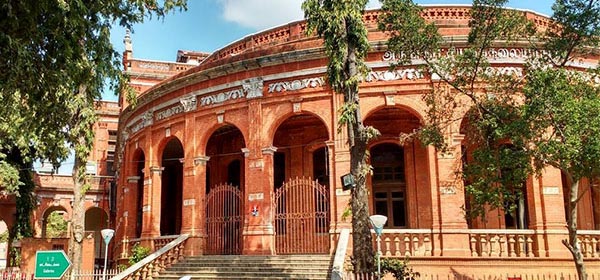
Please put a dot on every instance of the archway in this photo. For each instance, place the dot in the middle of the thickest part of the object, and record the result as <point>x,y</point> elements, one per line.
<point>171,188</point>
<point>96,219</point>
<point>301,150</point>
<point>301,180</point>
<point>514,213</point>
<point>55,223</point>
<point>225,191</point>
<point>226,163</point>
<point>400,183</point>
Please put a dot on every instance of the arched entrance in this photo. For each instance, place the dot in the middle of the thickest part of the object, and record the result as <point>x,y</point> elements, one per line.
<point>400,183</point>
<point>301,186</point>
<point>225,192</point>
<point>96,219</point>
<point>55,223</point>
<point>172,188</point>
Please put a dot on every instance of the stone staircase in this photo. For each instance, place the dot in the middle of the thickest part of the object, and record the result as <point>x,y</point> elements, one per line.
<point>297,267</point>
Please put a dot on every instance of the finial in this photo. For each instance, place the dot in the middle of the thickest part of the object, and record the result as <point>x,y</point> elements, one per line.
<point>127,41</point>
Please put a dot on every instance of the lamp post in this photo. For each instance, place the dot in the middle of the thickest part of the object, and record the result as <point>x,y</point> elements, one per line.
<point>107,235</point>
<point>378,221</point>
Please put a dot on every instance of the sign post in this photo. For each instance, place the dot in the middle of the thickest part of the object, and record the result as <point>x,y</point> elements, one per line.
<point>51,264</point>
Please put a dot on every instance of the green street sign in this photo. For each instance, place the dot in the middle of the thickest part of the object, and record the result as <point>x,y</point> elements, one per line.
<point>51,264</point>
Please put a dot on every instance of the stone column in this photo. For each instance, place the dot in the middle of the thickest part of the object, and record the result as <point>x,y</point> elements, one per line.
<point>194,205</point>
<point>152,203</point>
<point>259,212</point>
<point>547,214</point>
<point>448,199</point>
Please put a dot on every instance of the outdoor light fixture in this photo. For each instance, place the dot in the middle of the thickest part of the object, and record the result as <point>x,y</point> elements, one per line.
<point>378,221</point>
<point>348,181</point>
<point>107,235</point>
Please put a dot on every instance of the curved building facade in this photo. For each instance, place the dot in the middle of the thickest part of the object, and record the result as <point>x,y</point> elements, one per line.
<point>241,151</point>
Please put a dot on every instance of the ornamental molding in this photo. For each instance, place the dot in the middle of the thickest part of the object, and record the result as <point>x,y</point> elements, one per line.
<point>222,97</point>
<point>189,103</point>
<point>253,88</point>
<point>296,85</point>
<point>400,74</point>
<point>167,113</point>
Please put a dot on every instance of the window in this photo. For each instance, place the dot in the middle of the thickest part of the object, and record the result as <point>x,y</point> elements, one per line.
<point>389,183</point>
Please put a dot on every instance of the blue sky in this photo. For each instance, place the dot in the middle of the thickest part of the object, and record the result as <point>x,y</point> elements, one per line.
<point>208,25</point>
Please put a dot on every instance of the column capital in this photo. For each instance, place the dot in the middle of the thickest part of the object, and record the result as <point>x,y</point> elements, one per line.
<point>269,150</point>
<point>201,160</point>
<point>156,169</point>
<point>133,179</point>
<point>246,152</point>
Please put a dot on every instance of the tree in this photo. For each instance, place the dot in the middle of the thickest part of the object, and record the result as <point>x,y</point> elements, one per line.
<point>340,24</point>
<point>546,117</point>
<point>56,226</point>
<point>57,57</point>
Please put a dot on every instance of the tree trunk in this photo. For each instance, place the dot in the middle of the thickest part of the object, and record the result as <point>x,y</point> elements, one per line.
<point>81,125</point>
<point>363,258</point>
<point>77,220</point>
<point>572,243</point>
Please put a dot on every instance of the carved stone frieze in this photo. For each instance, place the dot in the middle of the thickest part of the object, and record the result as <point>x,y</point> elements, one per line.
<point>296,84</point>
<point>253,88</point>
<point>189,103</point>
<point>399,74</point>
<point>221,97</point>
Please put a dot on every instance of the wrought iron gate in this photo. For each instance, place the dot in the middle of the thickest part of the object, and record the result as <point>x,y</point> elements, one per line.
<point>224,221</point>
<point>302,217</point>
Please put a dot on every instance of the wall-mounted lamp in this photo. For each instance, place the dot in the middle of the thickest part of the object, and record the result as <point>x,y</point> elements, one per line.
<point>255,210</point>
<point>348,181</point>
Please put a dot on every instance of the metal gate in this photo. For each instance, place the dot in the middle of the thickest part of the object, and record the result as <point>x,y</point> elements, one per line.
<point>224,221</point>
<point>301,217</point>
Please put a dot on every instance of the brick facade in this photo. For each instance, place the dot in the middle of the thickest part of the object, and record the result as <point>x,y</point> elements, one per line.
<point>258,113</point>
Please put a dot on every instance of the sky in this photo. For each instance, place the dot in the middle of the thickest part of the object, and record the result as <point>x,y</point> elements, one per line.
<point>209,25</point>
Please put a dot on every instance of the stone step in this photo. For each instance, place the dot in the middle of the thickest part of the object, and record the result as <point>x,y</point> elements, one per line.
<point>303,267</point>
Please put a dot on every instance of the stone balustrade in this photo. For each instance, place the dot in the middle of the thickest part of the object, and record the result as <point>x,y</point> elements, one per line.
<point>590,243</point>
<point>502,243</point>
<point>406,242</point>
<point>158,261</point>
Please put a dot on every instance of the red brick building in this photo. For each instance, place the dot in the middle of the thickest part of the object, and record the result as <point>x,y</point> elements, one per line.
<point>54,193</point>
<point>241,151</point>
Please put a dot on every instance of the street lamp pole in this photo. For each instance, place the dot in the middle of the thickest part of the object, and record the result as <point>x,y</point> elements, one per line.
<point>107,235</point>
<point>378,221</point>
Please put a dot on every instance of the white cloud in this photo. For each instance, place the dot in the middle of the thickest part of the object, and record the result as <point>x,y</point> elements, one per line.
<point>261,14</point>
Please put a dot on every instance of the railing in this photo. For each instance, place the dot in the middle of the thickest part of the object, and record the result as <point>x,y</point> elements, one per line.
<point>15,275</point>
<point>95,274</point>
<point>155,243</point>
<point>156,262</point>
<point>590,243</point>
<point>339,260</point>
<point>501,243</point>
<point>83,275</point>
<point>406,242</point>
<point>469,276</point>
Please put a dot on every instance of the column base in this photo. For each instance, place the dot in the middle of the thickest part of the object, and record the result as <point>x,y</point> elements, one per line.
<point>259,240</point>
